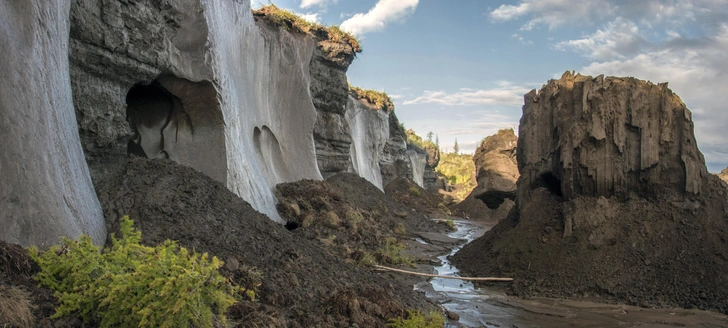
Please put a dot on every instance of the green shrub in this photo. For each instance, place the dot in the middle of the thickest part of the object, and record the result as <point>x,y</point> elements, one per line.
<point>414,191</point>
<point>131,285</point>
<point>415,319</point>
<point>390,253</point>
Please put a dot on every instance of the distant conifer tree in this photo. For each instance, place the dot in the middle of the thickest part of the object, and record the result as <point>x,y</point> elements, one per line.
<point>456,148</point>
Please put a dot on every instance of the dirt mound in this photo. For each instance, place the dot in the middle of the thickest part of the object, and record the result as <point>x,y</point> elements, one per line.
<point>410,195</point>
<point>475,209</point>
<point>301,286</point>
<point>349,216</point>
<point>658,257</point>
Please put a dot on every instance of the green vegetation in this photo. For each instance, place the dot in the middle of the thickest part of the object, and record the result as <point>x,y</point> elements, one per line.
<point>414,191</point>
<point>390,253</point>
<point>131,285</point>
<point>399,229</point>
<point>459,171</point>
<point>379,99</point>
<point>294,23</point>
<point>414,139</point>
<point>449,223</point>
<point>415,319</point>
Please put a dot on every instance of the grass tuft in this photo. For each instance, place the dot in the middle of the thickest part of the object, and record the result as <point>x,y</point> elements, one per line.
<point>379,99</point>
<point>16,310</point>
<point>415,319</point>
<point>294,23</point>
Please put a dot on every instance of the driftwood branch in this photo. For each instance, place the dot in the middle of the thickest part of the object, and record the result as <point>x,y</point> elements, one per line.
<point>379,267</point>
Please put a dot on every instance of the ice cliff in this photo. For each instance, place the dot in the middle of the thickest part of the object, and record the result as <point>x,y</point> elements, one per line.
<point>200,82</point>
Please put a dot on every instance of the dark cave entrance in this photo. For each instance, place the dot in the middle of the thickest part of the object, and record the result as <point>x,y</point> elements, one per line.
<point>178,119</point>
<point>549,181</point>
<point>148,110</point>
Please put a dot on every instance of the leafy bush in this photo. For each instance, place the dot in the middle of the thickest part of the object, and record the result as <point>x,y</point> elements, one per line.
<point>131,285</point>
<point>415,319</point>
<point>414,191</point>
<point>379,99</point>
<point>294,23</point>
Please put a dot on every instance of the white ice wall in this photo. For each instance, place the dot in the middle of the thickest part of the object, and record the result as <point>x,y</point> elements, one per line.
<point>45,186</point>
<point>263,80</point>
<point>369,132</point>
<point>418,160</point>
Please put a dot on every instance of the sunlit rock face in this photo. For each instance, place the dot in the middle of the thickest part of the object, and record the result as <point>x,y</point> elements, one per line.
<point>198,82</point>
<point>622,137</point>
<point>369,133</point>
<point>496,168</point>
<point>394,161</point>
<point>45,187</point>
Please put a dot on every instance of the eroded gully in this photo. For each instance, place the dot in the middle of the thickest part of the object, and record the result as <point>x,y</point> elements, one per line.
<point>473,306</point>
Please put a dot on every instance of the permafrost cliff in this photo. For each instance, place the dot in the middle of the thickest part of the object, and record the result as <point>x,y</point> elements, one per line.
<point>198,82</point>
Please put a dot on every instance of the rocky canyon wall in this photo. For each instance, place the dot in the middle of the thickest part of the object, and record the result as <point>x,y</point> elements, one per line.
<point>203,84</point>
<point>369,132</point>
<point>45,187</point>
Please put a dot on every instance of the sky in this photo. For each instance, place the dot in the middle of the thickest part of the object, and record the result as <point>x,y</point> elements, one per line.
<point>460,68</point>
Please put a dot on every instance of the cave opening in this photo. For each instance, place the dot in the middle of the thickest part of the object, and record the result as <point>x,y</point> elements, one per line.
<point>291,225</point>
<point>551,182</point>
<point>149,108</point>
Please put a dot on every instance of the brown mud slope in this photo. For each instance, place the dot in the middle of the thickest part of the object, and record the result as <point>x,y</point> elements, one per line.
<point>614,201</point>
<point>302,287</point>
<point>412,196</point>
<point>348,215</point>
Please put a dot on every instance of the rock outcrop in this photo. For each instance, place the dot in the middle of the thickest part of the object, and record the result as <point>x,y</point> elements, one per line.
<point>614,200</point>
<point>46,189</point>
<point>236,99</point>
<point>496,173</point>
<point>395,162</point>
<point>418,161</point>
<point>609,137</point>
<point>723,175</point>
<point>496,168</point>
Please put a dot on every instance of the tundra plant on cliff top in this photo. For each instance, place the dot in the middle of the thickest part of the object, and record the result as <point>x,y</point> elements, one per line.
<point>292,22</point>
<point>379,99</point>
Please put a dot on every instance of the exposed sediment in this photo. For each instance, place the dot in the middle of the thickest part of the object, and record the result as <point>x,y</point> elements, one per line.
<point>614,200</point>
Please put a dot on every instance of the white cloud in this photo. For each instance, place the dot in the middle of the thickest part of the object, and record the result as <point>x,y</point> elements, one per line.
<point>617,39</point>
<point>311,3</point>
<point>383,13</point>
<point>550,12</point>
<point>506,94</point>
<point>311,17</point>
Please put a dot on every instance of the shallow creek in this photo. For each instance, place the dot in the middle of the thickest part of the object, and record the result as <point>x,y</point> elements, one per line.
<point>480,307</point>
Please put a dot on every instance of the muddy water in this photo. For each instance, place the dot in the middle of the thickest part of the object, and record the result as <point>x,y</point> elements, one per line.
<point>480,307</point>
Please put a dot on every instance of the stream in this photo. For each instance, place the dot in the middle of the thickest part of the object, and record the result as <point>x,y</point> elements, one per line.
<point>473,306</point>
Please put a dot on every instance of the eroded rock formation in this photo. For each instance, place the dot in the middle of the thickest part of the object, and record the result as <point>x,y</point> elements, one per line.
<point>497,173</point>
<point>237,99</point>
<point>45,187</point>
<point>614,200</point>
<point>395,162</point>
<point>609,137</point>
<point>496,168</point>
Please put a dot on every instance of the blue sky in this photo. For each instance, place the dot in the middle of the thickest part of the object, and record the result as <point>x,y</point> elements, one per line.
<point>460,68</point>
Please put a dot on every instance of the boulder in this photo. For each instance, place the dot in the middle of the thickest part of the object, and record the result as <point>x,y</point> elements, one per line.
<point>46,188</point>
<point>496,168</point>
<point>614,200</point>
